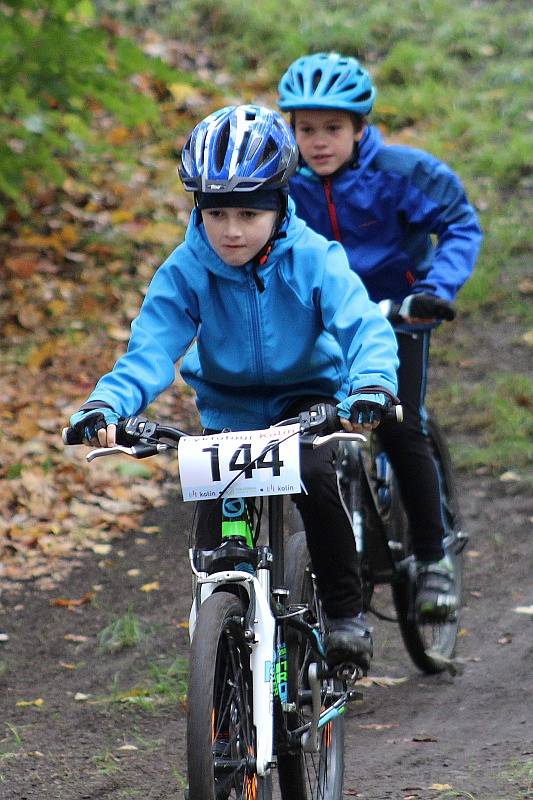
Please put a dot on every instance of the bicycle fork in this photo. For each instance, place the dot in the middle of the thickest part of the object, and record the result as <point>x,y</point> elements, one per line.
<point>260,635</point>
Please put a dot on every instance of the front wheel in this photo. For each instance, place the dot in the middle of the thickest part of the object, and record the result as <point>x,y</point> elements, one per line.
<point>221,737</point>
<point>431,645</point>
<point>308,776</point>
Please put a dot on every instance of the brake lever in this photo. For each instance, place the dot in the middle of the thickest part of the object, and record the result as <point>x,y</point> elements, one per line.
<point>100,452</point>
<point>140,450</point>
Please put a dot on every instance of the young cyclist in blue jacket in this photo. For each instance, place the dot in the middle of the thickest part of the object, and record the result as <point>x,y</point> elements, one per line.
<point>278,321</point>
<point>385,204</point>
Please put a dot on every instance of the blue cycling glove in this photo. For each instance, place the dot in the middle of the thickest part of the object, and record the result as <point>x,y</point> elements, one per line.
<point>88,421</point>
<point>364,408</point>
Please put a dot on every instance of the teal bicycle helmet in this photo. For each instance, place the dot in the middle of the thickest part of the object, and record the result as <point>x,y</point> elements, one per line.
<point>327,80</point>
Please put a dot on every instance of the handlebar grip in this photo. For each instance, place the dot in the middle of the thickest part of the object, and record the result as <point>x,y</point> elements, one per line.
<point>396,413</point>
<point>71,436</point>
<point>333,421</point>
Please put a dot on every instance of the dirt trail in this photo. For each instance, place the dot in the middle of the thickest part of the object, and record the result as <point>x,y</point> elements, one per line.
<point>472,734</point>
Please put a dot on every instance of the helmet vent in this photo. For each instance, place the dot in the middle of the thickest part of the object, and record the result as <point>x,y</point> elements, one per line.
<point>242,148</point>
<point>269,150</point>
<point>222,147</point>
<point>317,77</point>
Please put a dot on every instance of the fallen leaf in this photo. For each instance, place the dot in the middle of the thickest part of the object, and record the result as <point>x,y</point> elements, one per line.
<point>507,638</point>
<point>441,787</point>
<point>39,702</point>
<point>65,602</point>
<point>526,286</point>
<point>134,572</point>
<point>22,266</point>
<point>75,637</point>
<point>81,697</point>
<point>524,609</point>
<point>376,726</point>
<point>380,681</point>
<point>150,587</point>
<point>128,747</point>
<point>151,529</point>
<point>118,334</point>
<point>65,665</point>
<point>101,549</point>
<point>508,476</point>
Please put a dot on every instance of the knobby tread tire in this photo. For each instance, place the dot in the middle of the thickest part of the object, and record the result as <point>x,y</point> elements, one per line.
<point>210,646</point>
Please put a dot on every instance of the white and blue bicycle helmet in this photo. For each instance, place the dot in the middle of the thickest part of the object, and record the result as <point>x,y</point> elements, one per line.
<point>239,149</point>
<point>327,80</point>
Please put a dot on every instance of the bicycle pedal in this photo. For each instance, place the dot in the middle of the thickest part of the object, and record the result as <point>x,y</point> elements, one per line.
<point>350,673</point>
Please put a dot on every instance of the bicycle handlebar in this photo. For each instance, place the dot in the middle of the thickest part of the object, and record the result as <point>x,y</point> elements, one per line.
<point>139,437</point>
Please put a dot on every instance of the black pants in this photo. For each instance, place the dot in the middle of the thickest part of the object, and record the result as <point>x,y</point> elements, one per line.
<point>408,449</point>
<point>328,529</point>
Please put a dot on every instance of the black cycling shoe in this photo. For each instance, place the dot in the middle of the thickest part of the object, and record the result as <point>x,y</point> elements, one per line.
<point>349,641</point>
<point>436,599</point>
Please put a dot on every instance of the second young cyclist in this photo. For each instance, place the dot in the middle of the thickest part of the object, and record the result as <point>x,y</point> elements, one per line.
<point>386,205</point>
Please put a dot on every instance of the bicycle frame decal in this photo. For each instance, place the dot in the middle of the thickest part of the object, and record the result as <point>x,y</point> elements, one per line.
<point>280,676</point>
<point>268,462</point>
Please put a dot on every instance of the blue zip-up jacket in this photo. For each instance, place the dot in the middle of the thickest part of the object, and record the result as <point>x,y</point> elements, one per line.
<point>384,211</point>
<point>311,331</point>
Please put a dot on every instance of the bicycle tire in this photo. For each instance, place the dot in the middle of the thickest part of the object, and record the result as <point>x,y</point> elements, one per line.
<point>430,645</point>
<point>220,729</point>
<point>307,776</point>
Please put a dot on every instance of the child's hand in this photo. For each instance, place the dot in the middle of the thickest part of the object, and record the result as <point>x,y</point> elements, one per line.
<point>363,411</point>
<point>96,425</point>
<point>425,308</point>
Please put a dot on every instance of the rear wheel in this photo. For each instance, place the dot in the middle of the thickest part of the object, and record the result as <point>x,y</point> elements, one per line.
<point>308,776</point>
<point>430,644</point>
<point>221,738</point>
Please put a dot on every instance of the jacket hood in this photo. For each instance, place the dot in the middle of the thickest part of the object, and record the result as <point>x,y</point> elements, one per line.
<point>370,143</point>
<point>197,242</point>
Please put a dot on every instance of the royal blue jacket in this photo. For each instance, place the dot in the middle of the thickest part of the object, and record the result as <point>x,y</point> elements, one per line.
<point>384,211</point>
<point>311,330</point>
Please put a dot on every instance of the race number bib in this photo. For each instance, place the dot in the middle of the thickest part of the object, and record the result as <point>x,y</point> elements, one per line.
<point>268,462</point>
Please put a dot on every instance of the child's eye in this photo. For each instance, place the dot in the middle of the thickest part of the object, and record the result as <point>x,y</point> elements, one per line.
<point>249,214</point>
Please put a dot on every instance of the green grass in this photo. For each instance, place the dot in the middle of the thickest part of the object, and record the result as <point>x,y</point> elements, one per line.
<point>126,631</point>
<point>165,684</point>
<point>106,763</point>
<point>497,416</point>
<point>521,772</point>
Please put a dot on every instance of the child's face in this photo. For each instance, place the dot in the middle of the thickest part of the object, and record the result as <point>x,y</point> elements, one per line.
<point>325,138</point>
<point>238,234</point>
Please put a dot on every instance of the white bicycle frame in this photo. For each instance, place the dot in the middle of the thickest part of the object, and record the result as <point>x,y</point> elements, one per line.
<point>262,644</point>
